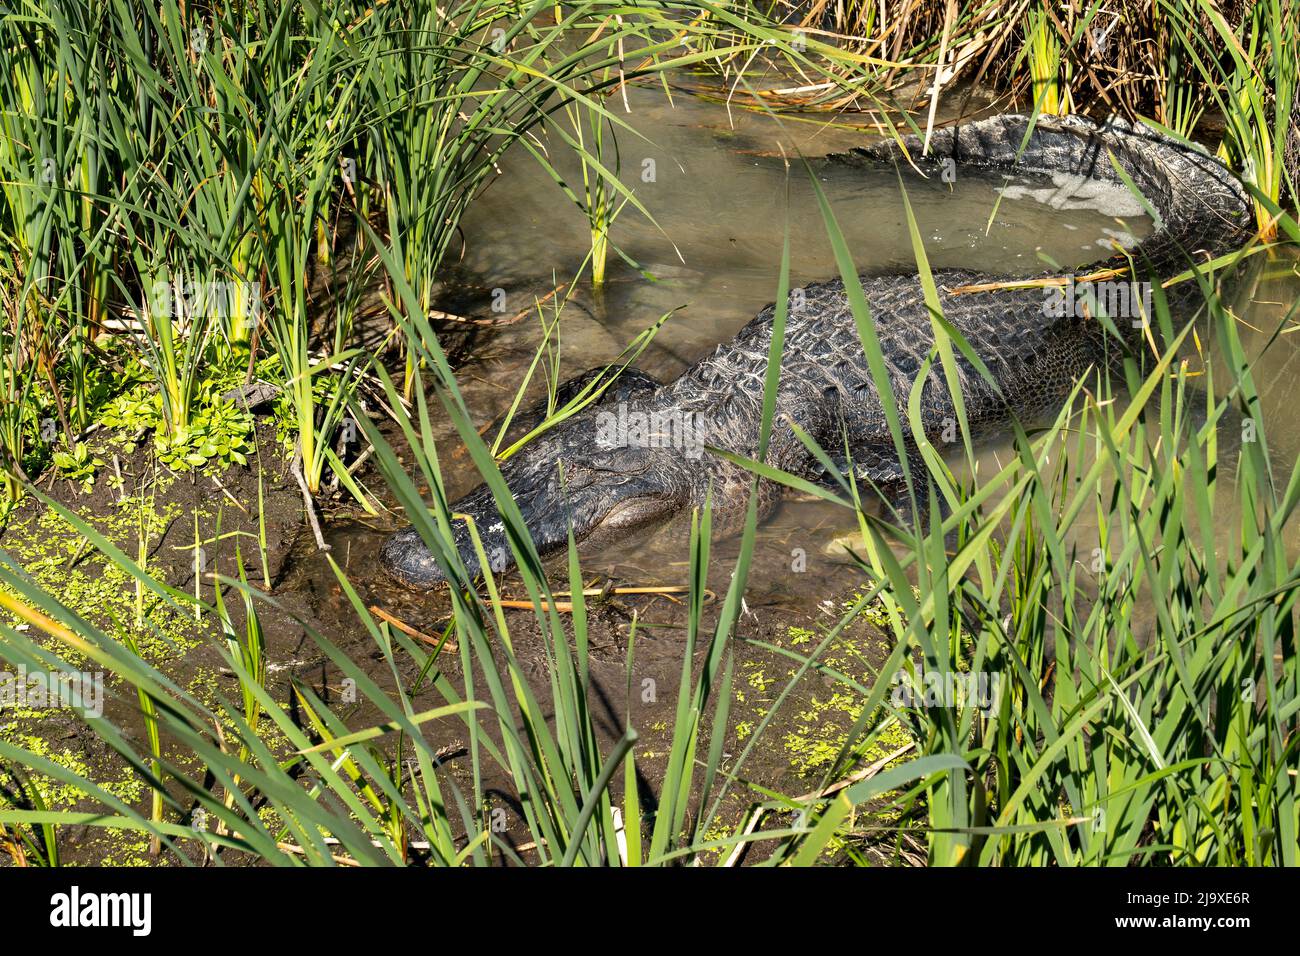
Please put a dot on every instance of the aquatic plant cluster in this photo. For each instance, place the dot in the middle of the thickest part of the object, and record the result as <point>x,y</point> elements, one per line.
<point>194,192</point>
<point>201,197</point>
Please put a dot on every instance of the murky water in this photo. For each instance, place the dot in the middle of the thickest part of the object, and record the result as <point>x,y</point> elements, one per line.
<point>724,188</point>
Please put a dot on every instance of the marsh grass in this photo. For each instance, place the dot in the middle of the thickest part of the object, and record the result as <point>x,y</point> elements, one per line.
<point>1256,93</point>
<point>1146,656</point>
<point>181,183</point>
<point>1145,661</point>
<point>221,146</point>
<point>1148,669</point>
<point>1172,62</point>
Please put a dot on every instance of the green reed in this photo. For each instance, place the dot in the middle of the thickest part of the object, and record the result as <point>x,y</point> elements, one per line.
<point>1147,669</point>
<point>225,167</point>
<point>1146,673</point>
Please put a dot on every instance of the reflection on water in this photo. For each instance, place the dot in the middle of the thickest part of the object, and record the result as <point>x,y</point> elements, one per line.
<point>722,196</point>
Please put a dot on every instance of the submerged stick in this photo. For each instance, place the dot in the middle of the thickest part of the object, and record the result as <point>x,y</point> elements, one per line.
<point>309,503</point>
<point>566,607</point>
<point>409,631</point>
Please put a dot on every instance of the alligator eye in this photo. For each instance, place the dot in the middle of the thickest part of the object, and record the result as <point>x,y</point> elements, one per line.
<point>624,461</point>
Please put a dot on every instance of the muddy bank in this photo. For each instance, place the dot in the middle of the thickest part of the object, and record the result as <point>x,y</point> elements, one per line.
<point>183,529</point>
<point>797,749</point>
<point>188,528</point>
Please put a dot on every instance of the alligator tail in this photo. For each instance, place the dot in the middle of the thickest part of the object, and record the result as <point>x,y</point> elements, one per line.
<point>1199,207</point>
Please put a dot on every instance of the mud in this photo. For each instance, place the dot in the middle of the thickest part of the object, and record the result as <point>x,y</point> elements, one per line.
<point>184,529</point>
<point>163,515</point>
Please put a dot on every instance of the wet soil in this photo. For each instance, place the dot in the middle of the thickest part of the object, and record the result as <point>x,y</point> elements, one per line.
<point>170,513</point>
<point>186,530</point>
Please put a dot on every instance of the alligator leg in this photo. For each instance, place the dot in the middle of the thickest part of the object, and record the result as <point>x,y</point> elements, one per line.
<point>908,512</point>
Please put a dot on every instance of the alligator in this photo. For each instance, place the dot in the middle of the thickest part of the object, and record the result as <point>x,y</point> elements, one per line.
<point>605,486</point>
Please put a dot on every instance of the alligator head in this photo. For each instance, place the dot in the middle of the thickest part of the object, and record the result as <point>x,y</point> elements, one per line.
<point>562,481</point>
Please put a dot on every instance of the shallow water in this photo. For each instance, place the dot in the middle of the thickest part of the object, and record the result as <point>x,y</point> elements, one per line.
<point>722,195</point>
